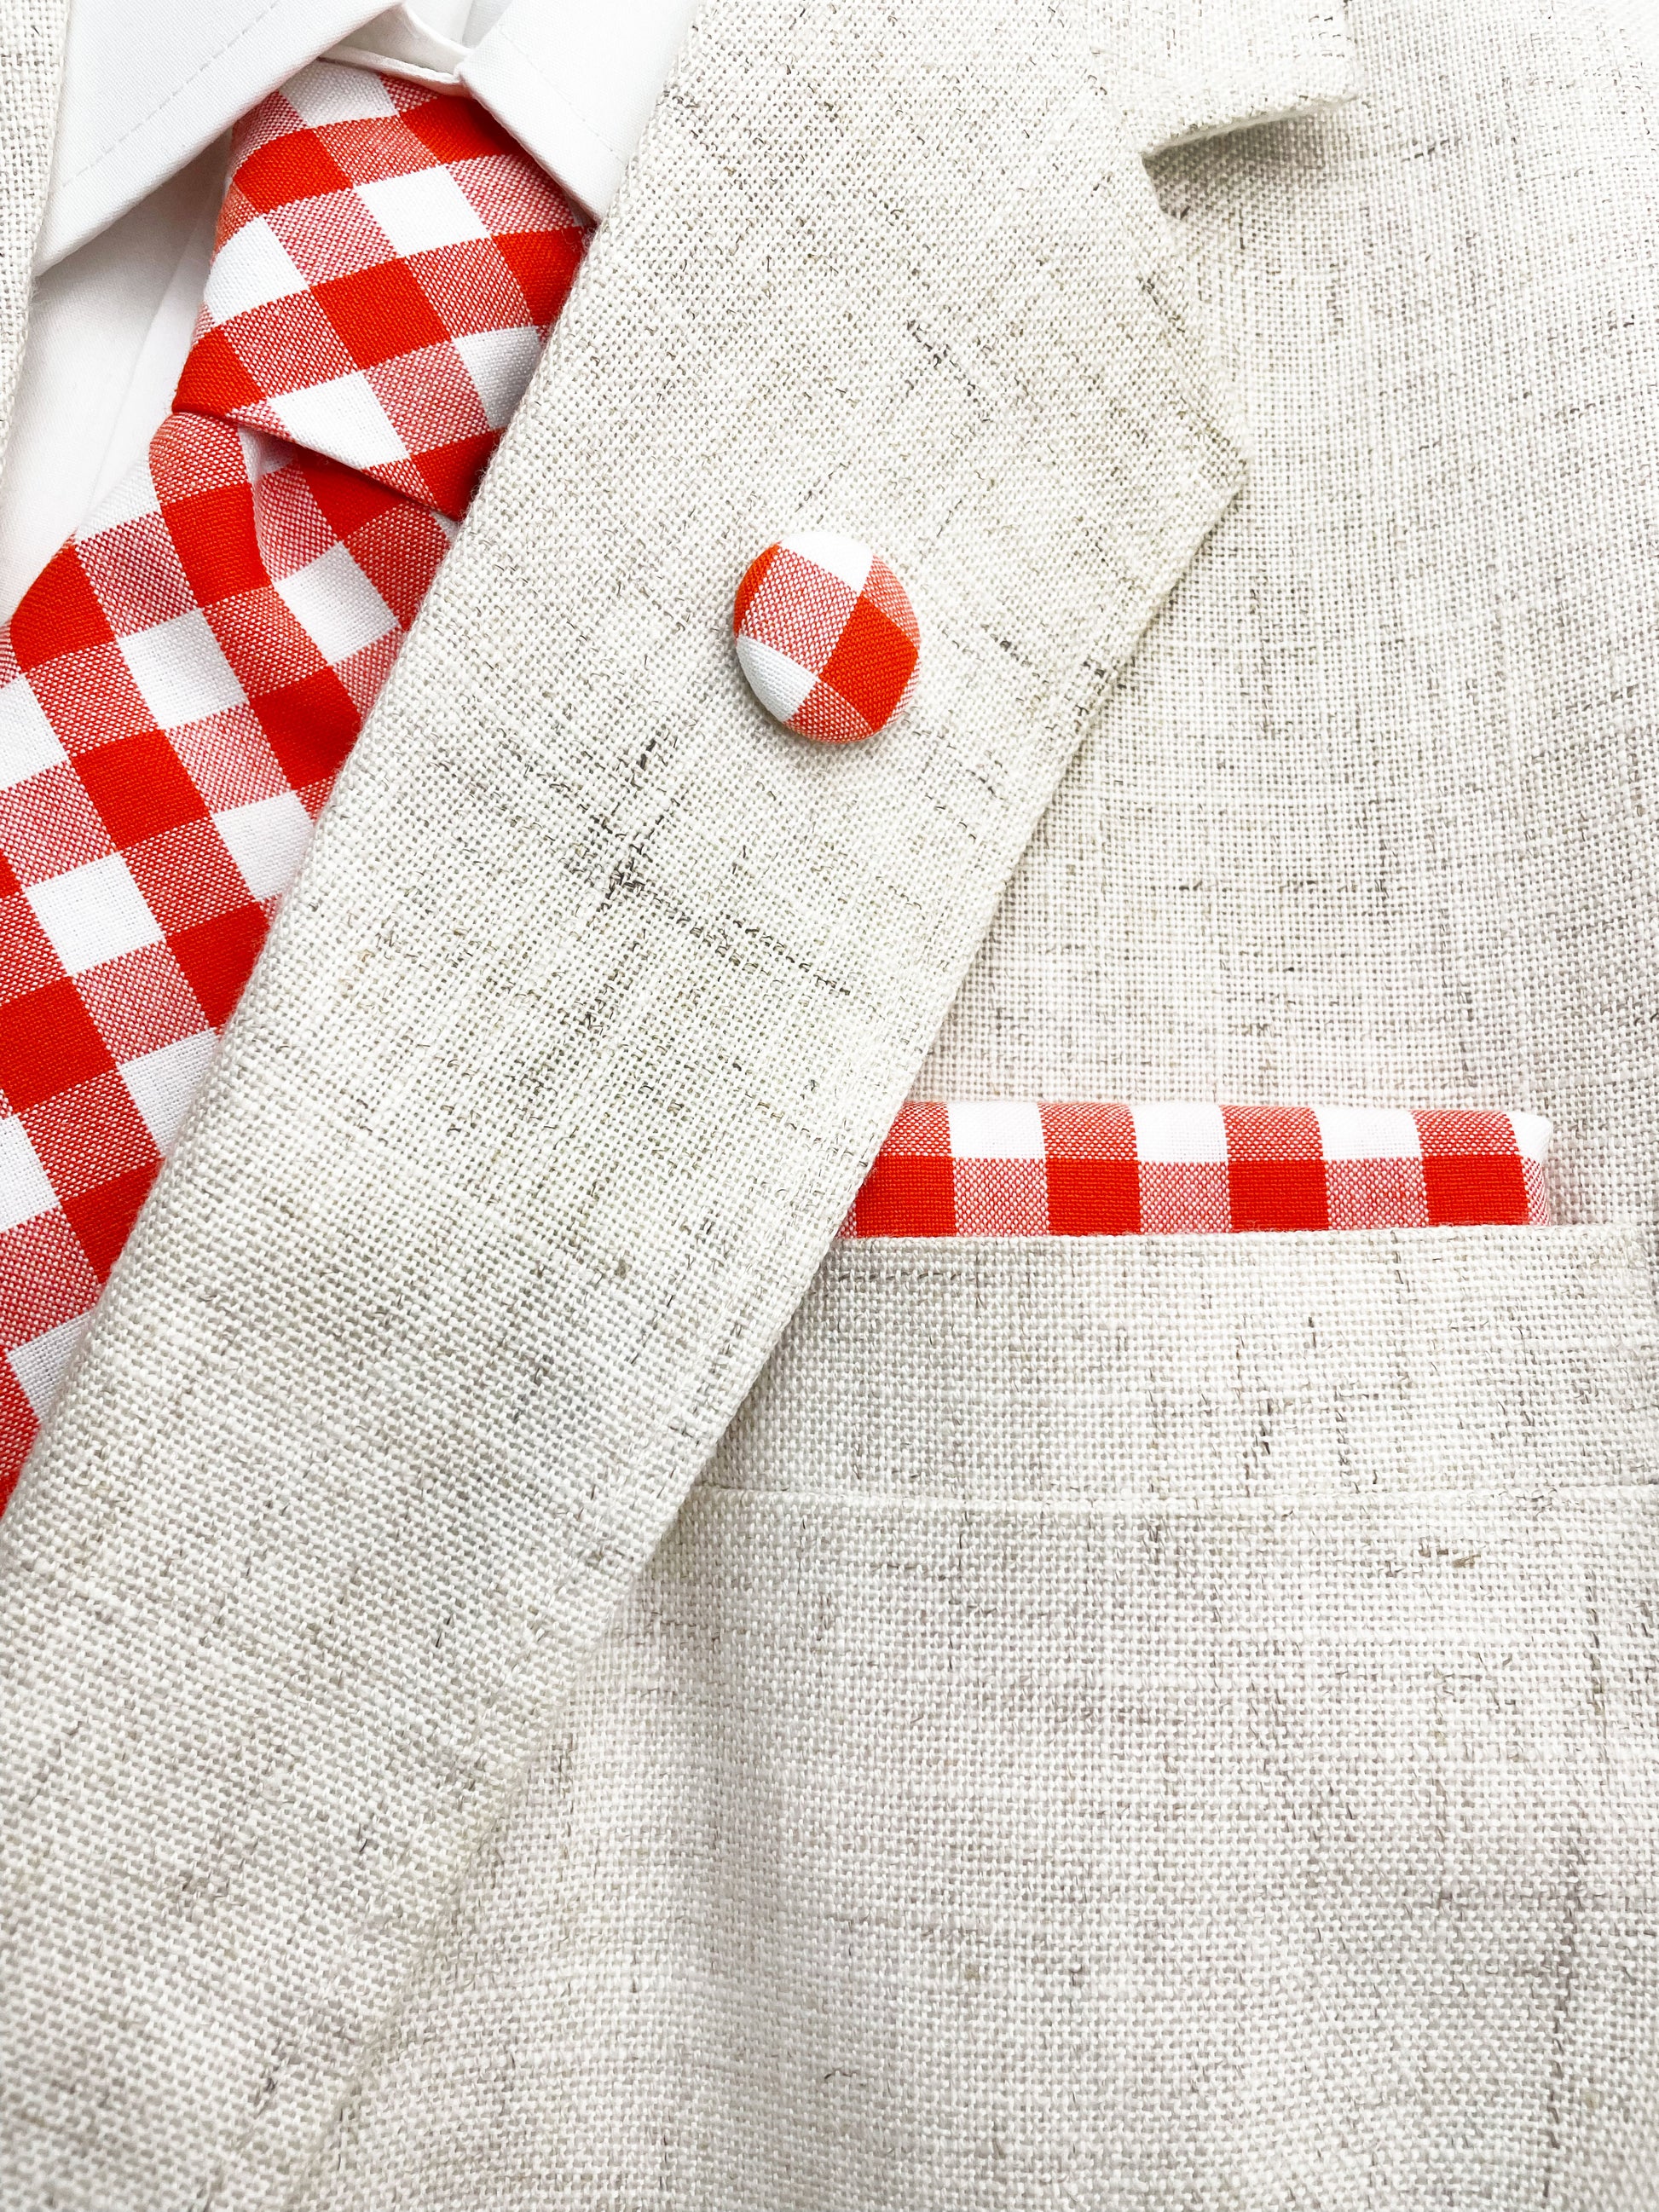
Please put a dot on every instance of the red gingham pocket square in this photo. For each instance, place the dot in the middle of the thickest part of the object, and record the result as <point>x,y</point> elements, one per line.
<point>1004,1167</point>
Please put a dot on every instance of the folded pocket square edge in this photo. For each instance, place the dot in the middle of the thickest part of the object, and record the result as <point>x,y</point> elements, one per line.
<point>1006,1167</point>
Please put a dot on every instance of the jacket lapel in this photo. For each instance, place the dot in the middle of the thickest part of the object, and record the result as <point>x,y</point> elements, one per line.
<point>567,1054</point>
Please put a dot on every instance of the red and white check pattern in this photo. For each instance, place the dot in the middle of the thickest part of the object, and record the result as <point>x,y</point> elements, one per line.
<point>1010,1167</point>
<point>180,685</point>
<point>387,267</point>
<point>826,635</point>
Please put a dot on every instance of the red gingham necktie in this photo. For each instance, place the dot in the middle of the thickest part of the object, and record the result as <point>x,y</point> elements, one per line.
<point>181,684</point>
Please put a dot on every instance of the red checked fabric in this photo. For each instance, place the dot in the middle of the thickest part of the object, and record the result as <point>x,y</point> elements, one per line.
<point>826,635</point>
<point>179,687</point>
<point>1005,1168</point>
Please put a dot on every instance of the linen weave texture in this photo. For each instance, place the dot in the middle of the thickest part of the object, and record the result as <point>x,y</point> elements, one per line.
<point>570,856</point>
<point>946,1819</point>
<point>1199,1632</point>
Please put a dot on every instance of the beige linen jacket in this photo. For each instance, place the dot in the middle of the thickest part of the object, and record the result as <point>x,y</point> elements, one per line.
<point>525,1685</point>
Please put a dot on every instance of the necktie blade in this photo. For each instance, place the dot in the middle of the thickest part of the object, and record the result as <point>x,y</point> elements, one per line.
<point>179,687</point>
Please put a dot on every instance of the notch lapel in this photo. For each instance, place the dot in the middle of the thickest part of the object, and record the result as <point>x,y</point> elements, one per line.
<point>593,1003</point>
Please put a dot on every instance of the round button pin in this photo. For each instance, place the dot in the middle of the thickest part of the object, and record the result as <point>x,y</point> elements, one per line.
<point>826,635</point>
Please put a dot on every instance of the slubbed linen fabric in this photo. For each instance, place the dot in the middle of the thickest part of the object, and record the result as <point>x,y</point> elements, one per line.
<point>1170,1722</point>
<point>1230,1653</point>
<point>1122,1723</point>
<point>569,1049</point>
<point>1366,820</point>
<point>180,685</point>
<point>1009,1167</point>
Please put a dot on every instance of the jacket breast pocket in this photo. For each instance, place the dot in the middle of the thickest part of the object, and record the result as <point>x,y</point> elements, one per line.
<point>1162,1721</point>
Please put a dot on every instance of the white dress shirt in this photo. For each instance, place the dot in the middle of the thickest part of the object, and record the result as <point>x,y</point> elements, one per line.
<point>149,95</point>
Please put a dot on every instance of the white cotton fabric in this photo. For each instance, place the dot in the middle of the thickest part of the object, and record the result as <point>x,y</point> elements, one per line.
<point>146,88</point>
<point>576,82</point>
<point>428,47</point>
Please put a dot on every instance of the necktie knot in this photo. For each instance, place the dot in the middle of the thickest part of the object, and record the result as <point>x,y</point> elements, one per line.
<point>387,267</point>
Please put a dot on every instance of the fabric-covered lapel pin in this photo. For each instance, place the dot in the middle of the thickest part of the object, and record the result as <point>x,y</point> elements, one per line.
<point>826,635</point>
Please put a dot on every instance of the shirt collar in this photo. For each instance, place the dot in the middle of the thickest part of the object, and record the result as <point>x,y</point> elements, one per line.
<point>146,87</point>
